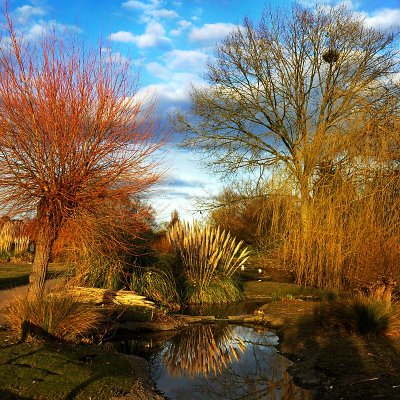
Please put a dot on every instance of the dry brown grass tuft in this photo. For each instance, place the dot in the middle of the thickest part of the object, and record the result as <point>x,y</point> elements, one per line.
<point>361,315</point>
<point>56,315</point>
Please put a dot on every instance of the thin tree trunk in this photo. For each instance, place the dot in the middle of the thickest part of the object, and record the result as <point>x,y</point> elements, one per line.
<point>48,227</point>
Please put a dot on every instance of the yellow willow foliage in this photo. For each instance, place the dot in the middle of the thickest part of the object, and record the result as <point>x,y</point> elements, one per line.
<point>207,251</point>
<point>12,237</point>
<point>351,237</point>
<point>21,244</point>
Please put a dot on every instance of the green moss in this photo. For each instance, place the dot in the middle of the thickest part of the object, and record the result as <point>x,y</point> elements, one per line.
<point>52,371</point>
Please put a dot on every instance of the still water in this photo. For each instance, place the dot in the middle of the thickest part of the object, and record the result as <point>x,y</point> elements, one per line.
<point>217,362</point>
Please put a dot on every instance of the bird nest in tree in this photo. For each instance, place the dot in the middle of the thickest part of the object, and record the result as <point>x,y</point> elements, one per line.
<point>330,56</point>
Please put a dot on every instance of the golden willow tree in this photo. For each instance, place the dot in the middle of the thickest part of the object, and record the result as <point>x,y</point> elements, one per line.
<point>295,92</point>
<point>74,137</point>
<point>284,91</point>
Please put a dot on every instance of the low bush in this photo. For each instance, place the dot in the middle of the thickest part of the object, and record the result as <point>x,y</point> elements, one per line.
<point>57,316</point>
<point>208,259</point>
<point>156,284</point>
<point>362,316</point>
<point>5,256</point>
<point>220,290</point>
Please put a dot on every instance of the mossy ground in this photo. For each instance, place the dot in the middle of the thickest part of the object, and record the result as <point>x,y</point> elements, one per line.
<point>61,371</point>
<point>40,370</point>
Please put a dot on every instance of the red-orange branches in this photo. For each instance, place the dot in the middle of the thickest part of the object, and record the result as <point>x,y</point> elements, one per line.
<point>73,133</point>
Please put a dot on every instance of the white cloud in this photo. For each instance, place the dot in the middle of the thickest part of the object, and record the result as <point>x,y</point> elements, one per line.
<point>114,56</point>
<point>172,94</point>
<point>163,13</point>
<point>25,12</point>
<point>169,95</point>
<point>123,36</point>
<point>173,194</point>
<point>154,36</point>
<point>350,4</point>
<point>174,69</point>
<point>158,70</point>
<point>40,28</point>
<point>182,25</point>
<point>384,18</point>
<point>188,60</point>
<point>211,33</point>
<point>151,10</point>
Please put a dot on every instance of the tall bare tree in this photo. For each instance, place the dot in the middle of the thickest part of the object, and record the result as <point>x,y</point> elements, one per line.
<point>287,91</point>
<point>73,135</point>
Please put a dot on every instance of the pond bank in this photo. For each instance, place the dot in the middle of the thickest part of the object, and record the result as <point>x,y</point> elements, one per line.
<point>335,366</point>
<point>38,370</point>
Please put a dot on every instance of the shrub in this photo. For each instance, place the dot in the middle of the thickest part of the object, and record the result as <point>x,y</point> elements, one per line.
<point>94,269</point>
<point>5,256</point>
<point>209,259</point>
<point>54,316</point>
<point>220,290</point>
<point>156,284</point>
<point>361,316</point>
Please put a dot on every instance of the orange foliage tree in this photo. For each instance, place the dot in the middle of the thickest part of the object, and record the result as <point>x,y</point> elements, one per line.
<point>74,136</point>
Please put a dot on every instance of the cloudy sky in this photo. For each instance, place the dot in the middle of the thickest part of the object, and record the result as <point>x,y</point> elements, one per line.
<point>169,41</point>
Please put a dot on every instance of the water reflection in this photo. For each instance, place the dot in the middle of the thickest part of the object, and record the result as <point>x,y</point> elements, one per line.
<point>203,350</point>
<point>216,362</point>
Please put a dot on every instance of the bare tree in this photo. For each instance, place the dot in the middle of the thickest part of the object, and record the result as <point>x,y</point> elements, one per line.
<point>286,92</point>
<point>73,135</point>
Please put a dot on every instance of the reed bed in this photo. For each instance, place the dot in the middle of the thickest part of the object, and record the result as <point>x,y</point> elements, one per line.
<point>351,236</point>
<point>13,239</point>
<point>6,236</point>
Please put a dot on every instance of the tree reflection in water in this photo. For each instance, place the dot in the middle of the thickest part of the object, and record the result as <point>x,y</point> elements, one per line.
<point>216,362</point>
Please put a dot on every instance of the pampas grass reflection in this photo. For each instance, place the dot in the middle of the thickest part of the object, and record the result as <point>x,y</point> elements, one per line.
<point>203,350</point>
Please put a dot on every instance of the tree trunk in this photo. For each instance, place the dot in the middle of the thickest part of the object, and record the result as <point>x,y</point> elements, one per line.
<point>49,224</point>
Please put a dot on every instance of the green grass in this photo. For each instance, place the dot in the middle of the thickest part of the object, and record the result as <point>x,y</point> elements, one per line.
<point>279,290</point>
<point>48,371</point>
<point>12,275</point>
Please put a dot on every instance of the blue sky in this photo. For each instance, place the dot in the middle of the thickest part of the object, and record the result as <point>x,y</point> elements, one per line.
<point>169,41</point>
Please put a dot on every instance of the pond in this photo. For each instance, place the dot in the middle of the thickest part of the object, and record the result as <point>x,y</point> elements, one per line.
<point>215,362</point>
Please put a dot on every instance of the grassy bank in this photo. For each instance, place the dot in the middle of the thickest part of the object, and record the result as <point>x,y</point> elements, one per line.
<point>43,370</point>
<point>12,275</point>
<point>62,371</point>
